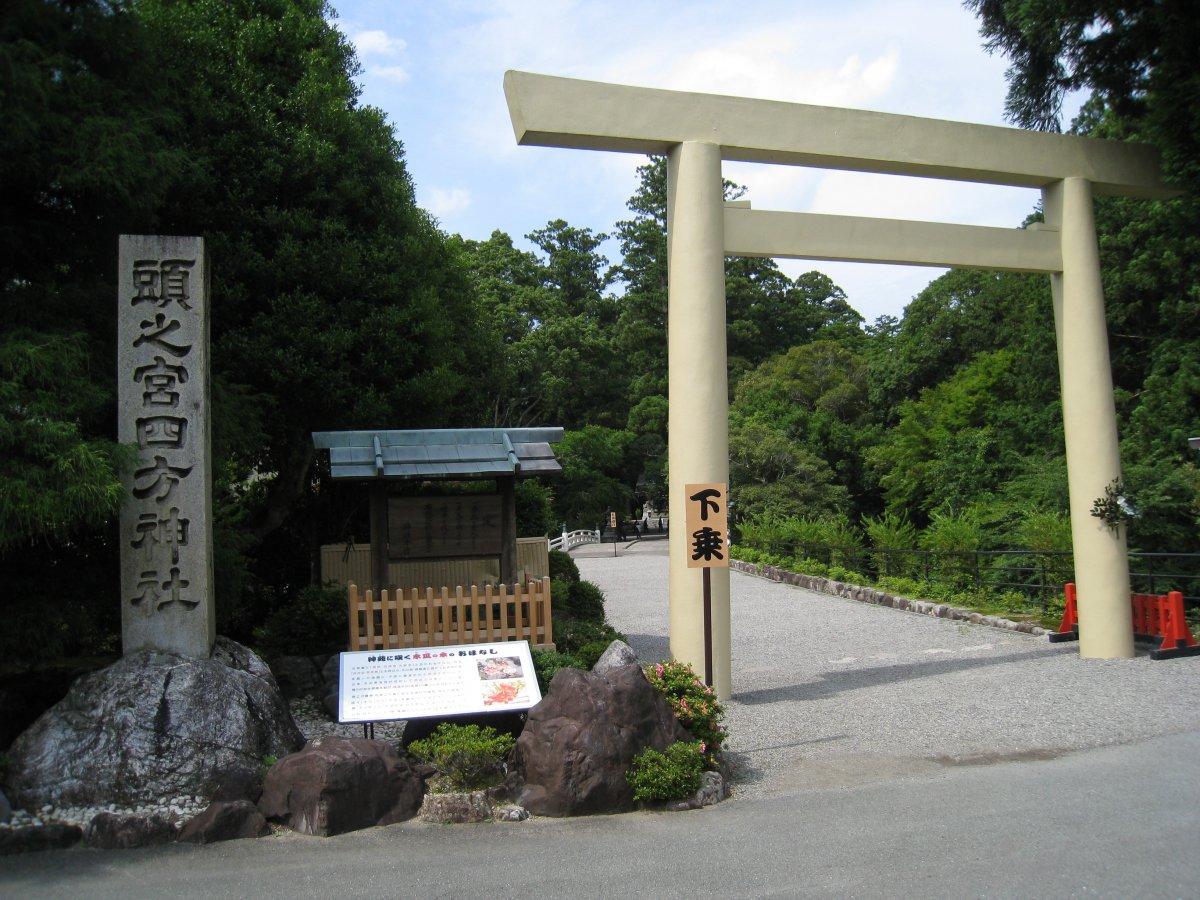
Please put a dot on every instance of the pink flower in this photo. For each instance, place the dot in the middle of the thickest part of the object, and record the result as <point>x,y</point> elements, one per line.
<point>703,747</point>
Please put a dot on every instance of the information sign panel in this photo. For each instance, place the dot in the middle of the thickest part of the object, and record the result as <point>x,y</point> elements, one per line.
<point>466,526</point>
<point>419,682</point>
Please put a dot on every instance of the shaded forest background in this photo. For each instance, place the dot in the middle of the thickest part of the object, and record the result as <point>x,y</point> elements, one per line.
<point>338,303</point>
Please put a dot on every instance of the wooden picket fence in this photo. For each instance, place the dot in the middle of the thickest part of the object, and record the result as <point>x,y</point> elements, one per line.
<point>424,618</point>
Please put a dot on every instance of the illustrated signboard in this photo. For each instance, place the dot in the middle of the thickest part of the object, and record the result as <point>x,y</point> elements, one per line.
<point>707,520</point>
<point>419,682</point>
<point>444,527</point>
<point>163,412</point>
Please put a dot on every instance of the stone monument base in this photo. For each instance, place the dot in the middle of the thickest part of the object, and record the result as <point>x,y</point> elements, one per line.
<point>154,725</point>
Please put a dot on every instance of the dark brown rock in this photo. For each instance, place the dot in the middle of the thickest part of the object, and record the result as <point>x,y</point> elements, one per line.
<point>336,784</point>
<point>29,838</point>
<point>113,831</point>
<point>580,740</point>
<point>225,821</point>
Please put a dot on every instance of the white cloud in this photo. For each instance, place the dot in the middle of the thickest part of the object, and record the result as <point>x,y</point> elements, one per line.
<point>394,74</point>
<point>376,42</point>
<point>443,202</point>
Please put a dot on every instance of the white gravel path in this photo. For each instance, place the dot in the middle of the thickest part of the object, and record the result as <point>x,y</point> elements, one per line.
<point>828,691</point>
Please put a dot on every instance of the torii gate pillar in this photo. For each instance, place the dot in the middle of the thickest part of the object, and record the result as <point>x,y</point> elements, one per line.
<point>698,389</point>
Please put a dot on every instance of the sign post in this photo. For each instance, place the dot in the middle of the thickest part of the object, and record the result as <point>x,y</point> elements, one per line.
<point>612,523</point>
<point>707,521</point>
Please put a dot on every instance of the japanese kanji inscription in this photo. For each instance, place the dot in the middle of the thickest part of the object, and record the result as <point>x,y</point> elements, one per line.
<point>163,411</point>
<point>707,525</point>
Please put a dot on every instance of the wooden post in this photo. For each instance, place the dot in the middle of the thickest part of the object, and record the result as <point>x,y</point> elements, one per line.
<point>379,536</point>
<point>508,529</point>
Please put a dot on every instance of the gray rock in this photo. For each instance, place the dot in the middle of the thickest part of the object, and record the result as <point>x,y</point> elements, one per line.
<point>225,821</point>
<point>111,831</point>
<point>456,808</point>
<point>331,671</point>
<point>581,739</point>
<point>153,725</point>
<point>29,838</point>
<point>618,654</point>
<point>338,784</point>
<point>330,705</point>
<point>5,809</point>
<point>712,790</point>
<point>510,813</point>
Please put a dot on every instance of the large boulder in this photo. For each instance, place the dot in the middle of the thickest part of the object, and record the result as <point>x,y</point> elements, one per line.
<point>579,742</point>
<point>338,784</point>
<point>225,821</point>
<point>153,725</point>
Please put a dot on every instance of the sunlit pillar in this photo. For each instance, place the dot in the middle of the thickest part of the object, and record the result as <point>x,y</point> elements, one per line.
<point>1089,423</point>
<point>698,394</point>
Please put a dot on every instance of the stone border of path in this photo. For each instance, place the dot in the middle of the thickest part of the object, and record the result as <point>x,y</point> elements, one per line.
<point>882,598</point>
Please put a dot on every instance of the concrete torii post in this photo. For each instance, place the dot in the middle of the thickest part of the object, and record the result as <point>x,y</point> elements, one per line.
<point>697,131</point>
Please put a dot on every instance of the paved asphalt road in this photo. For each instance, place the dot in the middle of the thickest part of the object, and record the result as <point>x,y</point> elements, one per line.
<point>881,754</point>
<point>1114,822</point>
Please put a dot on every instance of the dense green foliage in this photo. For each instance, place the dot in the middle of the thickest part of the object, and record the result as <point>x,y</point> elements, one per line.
<point>673,774</point>
<point>940,429</point>
<point>467,757</point>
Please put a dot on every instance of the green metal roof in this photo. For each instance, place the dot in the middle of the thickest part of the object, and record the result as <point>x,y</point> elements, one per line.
<point>465,453</point>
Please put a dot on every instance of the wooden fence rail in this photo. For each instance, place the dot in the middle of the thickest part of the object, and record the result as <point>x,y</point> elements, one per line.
<point>428,618</point>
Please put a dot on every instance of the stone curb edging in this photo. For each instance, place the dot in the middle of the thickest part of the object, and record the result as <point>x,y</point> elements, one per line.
<point>882,598</point>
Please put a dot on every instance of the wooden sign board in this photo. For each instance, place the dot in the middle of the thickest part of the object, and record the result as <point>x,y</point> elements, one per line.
<point>463,526</point>
<point>612,520</point>
<point>706,516</point>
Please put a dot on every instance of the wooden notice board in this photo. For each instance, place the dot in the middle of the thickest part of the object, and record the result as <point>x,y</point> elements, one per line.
<point>707,520</point>
<point>462,526</point>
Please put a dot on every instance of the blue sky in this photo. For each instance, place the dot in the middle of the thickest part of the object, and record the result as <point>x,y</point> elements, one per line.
<point>436,69</point>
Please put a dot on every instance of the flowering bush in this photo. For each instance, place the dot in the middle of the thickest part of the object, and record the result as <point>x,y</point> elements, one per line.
<point>695,705</point>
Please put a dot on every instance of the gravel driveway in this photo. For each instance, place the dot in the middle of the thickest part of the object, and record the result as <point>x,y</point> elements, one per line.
<point>828,691</point>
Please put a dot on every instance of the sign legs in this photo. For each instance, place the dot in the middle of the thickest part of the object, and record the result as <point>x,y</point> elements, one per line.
<point>1089,423</point>
<point>698,392</point>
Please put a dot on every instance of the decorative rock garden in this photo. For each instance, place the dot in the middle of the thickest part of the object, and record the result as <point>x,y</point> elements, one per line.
<point>610,740</point>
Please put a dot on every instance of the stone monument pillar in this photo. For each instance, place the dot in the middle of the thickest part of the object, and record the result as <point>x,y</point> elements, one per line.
<point>163,410</point>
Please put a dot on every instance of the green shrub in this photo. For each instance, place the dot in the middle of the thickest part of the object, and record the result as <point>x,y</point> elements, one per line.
<point>584,601</point>
<point>672,775</point>
<point>571,635</point>
<point>547,662</point>
<point>467,757</point>
<point>694,703</point>
<point>892,532</point>
<point>314,622</point>
<point>589,654</point>
<point>562,566</point>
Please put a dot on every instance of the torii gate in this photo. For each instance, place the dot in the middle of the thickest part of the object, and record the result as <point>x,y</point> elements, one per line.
<point>697,131</point>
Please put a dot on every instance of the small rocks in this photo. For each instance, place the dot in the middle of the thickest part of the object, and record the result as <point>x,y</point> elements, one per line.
<point>456,808</point>
<point>225,821</point>
<point>618,654</point>
<point>712,790</point>
<point>110,831</point>
<point>510,812</point>
<point>29,838</point>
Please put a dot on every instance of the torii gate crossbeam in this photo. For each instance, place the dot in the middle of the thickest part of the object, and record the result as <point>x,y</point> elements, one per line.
<point>697,131</point>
